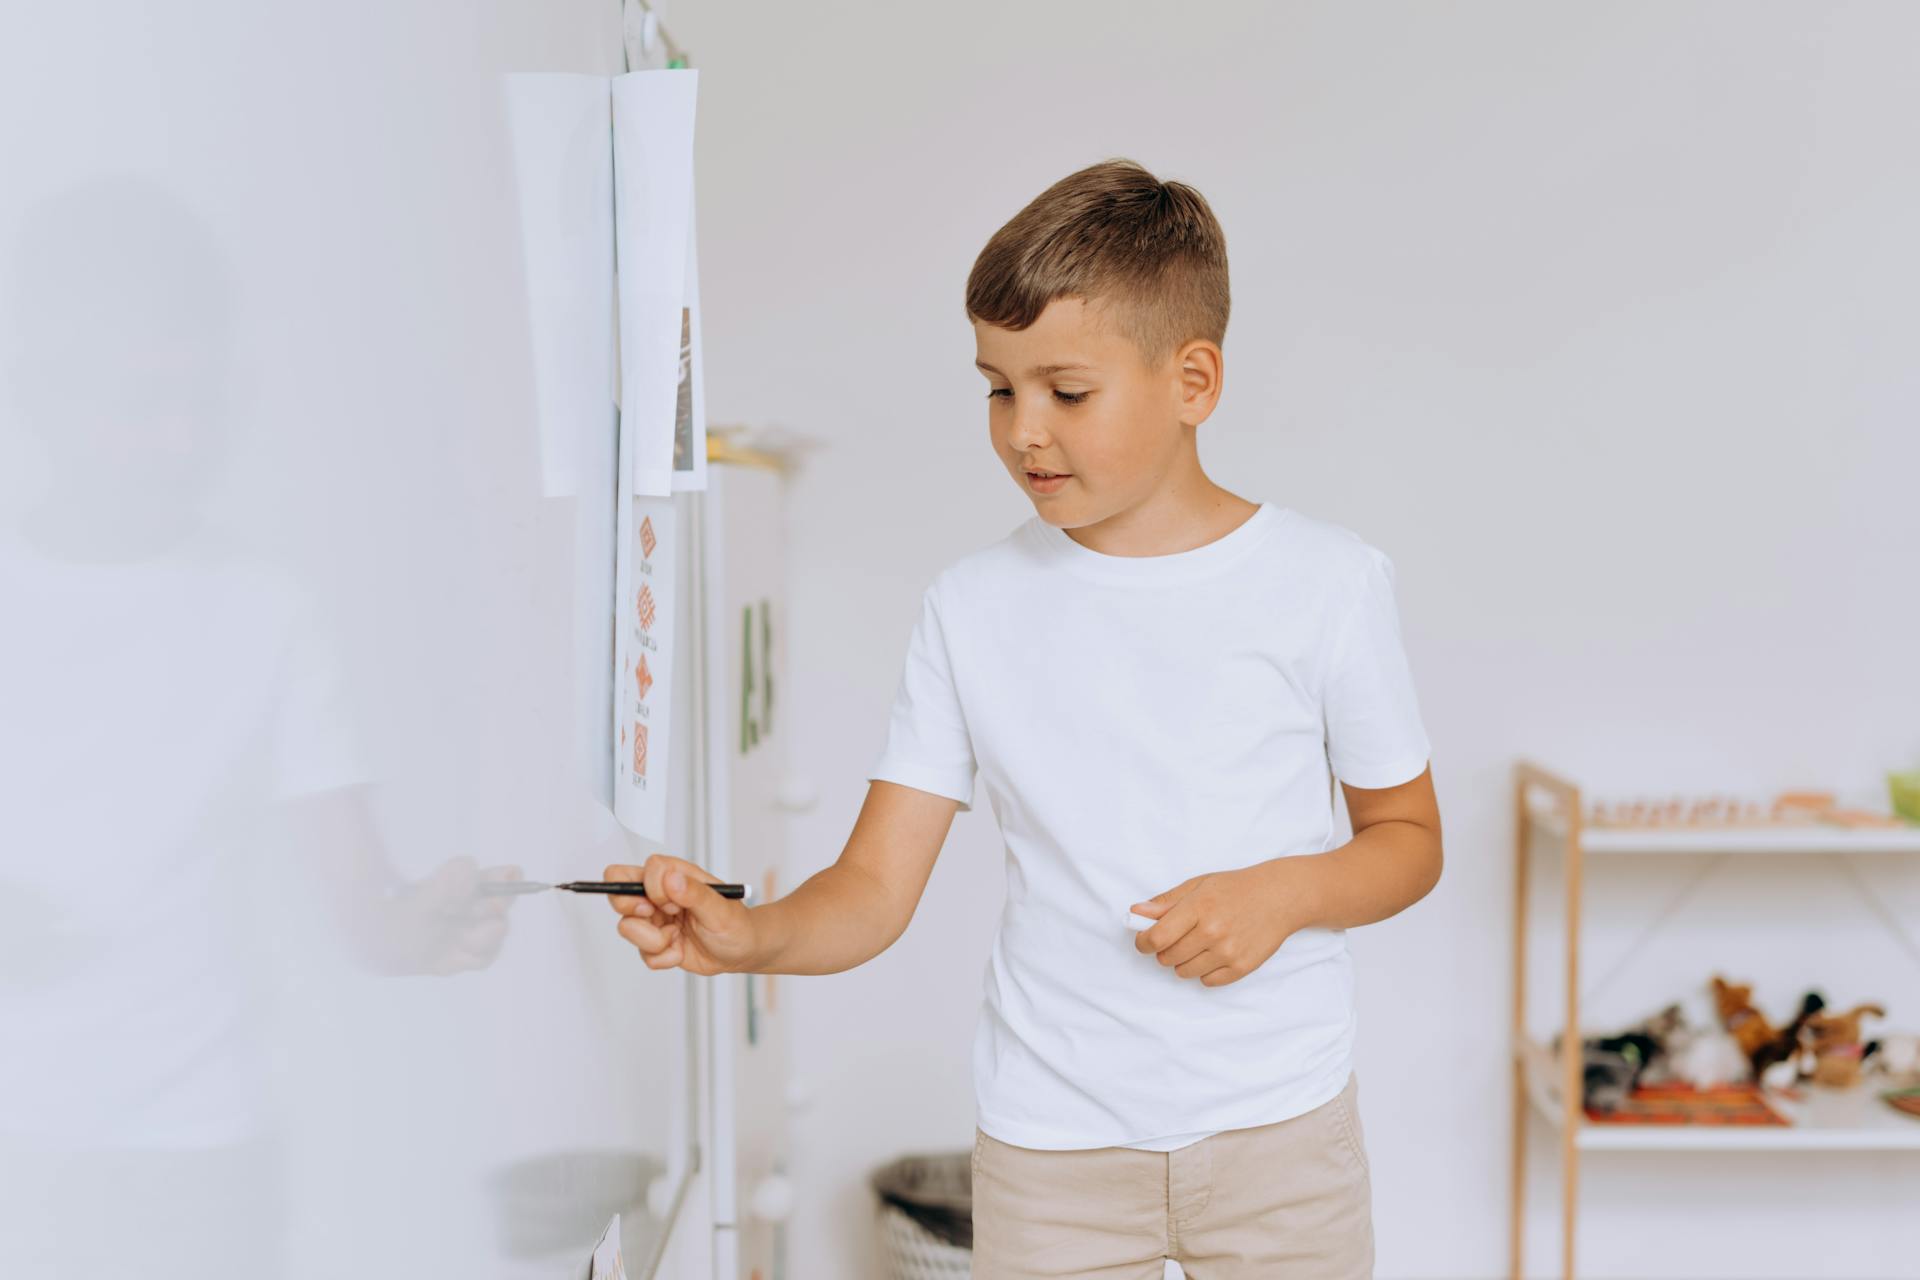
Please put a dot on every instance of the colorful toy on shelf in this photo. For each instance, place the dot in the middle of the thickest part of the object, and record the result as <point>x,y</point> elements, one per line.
<point>1764,1045</point>
<point>1777,1064</point>
<point>1833,1040</point>
<point>1666,1070</point>
<point>1903,790</point>
<point>1744,1022</point>
<point>1613,1066</point>
<point>1671,1052</point>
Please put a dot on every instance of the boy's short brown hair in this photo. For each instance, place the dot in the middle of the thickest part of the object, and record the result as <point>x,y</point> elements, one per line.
<point>1114,234</point>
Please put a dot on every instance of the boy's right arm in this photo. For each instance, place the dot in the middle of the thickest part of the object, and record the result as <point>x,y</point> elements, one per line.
<point>841,916</point>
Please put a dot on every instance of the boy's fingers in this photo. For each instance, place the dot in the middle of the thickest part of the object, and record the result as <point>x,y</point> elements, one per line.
<point>623,903</point>
<point>697,896</point>
<point>658,868</point>
<point>643,934</point>
<point>1187,948</point>
<point>1172,927</point>
<point>1173,895</point>
<point>654,872</point>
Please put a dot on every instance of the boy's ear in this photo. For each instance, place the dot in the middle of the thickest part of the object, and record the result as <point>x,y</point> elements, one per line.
<point>1198,364</point>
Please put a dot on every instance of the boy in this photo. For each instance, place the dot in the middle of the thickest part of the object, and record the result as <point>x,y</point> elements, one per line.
<point>1158,682</point>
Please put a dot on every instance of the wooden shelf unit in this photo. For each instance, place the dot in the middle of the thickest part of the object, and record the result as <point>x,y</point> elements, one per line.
<point>1550,1086</point>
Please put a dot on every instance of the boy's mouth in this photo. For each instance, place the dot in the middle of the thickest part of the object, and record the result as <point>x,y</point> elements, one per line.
<point>1046,481</point>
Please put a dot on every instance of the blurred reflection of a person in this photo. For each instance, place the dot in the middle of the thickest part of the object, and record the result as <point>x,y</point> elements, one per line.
<point>172,709</point>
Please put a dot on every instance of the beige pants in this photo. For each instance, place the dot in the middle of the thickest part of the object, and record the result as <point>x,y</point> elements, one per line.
<point>1285,1201</point>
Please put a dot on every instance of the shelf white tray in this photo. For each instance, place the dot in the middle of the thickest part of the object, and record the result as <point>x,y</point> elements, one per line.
<point>1826,1120</point>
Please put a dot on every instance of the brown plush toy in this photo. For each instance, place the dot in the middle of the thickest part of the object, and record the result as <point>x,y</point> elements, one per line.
<point>1834,1039</point>
<point>1746,1024</point>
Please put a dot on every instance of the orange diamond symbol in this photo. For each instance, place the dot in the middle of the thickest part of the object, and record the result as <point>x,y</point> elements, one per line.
<point>640,750</point>
<point>646,607</point>
<point>642,676</point>
<point>647,541</point>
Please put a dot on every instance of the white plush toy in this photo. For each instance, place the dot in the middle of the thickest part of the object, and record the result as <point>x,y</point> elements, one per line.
<point>1709,1059</point>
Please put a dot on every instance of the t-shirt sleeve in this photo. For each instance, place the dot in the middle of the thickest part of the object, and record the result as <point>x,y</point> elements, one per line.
<point>1375,737</point>
<point>927,746</point>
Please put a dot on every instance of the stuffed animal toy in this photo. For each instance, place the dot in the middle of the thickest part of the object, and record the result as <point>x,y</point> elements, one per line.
<point>1612,1066</point>
<point>1746,1024</point>
<point>1785,1047</point>
<point>1899,1057</point>
<point>1607,1078</point>
<point>1838,1051</point>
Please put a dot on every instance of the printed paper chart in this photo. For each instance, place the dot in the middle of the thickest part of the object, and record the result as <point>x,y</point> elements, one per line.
<point>644,638</point>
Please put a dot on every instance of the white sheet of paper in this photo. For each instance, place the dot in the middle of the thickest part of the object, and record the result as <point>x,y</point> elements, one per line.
<point>607,1262</point>
<point>643,688</point>
<point>653,114</point>
<point>562,131</point>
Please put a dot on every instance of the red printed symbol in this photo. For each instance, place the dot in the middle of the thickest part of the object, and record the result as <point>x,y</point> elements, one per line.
<point>642,676</point>
<point>640,750</point>
<point>647,540</point>
<point>646,607</point>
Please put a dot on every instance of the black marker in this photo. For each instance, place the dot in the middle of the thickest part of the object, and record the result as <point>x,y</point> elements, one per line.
<point>627,888</point>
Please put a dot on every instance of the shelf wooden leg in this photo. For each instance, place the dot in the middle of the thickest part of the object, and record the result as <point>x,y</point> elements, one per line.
<point>1572,1052</point>
<point>1566,801</point>
<point>1516,1228</point>
<point>1569,1206</point>
<point>1516,1237</point>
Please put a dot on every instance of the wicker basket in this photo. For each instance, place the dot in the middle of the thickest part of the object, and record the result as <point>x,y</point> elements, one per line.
<point>911,1252</point>
<point>926,1216</point>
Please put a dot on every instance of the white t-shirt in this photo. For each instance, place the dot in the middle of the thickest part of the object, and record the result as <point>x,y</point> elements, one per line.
<point>1136,721</point>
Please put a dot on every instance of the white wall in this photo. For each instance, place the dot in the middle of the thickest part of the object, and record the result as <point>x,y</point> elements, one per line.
<point>1599,320</point>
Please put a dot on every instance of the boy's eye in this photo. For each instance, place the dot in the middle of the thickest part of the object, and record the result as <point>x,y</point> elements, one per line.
<point>1064,397</point>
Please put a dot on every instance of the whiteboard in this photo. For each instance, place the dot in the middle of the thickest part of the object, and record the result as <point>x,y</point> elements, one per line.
<point>294,627</point>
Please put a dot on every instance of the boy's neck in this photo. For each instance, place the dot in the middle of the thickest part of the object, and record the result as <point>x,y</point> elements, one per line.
<point>1178,517</point>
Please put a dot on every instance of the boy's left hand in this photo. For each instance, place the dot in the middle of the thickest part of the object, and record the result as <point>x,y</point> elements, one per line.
<point>1222,926</point>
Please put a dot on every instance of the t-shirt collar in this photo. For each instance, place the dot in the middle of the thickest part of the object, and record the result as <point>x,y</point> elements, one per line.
<point>1192,565</point>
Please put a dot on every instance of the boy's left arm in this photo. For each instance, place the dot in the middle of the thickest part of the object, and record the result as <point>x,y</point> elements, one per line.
<point>1222,926</point>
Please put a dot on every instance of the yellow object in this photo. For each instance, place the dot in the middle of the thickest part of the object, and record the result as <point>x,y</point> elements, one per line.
<point>1904,789</point>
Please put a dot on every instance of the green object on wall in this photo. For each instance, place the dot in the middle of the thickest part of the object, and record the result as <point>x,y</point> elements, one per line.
<point>753,726</point>
<point>749,733</point>
<point>766,668</point>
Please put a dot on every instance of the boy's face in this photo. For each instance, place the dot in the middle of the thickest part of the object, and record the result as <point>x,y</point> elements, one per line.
<point>1073,395</point>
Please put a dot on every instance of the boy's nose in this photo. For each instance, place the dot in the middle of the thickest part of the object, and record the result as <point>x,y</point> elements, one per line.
<point>1027,436</point>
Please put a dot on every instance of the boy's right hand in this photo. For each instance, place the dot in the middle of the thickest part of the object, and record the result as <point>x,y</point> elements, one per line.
<point>682,923</point>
